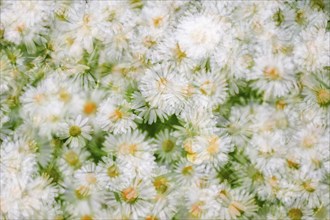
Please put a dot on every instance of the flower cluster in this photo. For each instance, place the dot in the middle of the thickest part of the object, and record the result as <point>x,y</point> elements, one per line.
<point>164,110</point>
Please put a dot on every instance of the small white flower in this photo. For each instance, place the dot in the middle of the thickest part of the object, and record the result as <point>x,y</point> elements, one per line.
<point>198,35</point>
<point>76,132</point>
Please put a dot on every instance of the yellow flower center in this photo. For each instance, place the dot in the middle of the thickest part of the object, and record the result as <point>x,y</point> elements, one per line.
<point>71,158</point>
<point>39,98</point>
<point>90,108</point>
<point>20,28</point>
<point>91,178</point>
<point>149,42</point>
<point>179,54</point>
<point>160,184</point>
<point>82,192</point>
<point>86,217</point>
<point>295,214</point>
<point>308,186</point>
<point>128,149</point>
<point>293,164</point>
<point>207,88</point>
<point>59,217</point>
<point>309,141</point>
<point>213,147</point>
<point>300,17</point>
<point>196,209</point>
<point>273,182</point>
<point>70,41</point>
<point>116,115</point>
<point>157,21</point>
<point>64,95</point>
<point>168,145</point>
<point>86,19</point>
<point>272,73</point>
<point>280,104</point>
<point>151,217</point>
<point>74,131</point>
<point>129,195</point>
<point>323,96</point>
<point>113,171</point>
<point>187,170</point>
<point>161,83</point>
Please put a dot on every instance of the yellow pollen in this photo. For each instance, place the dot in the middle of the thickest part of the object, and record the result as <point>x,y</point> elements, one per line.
<point>128,149</point>
<point>180,54</point>
<point>64,95</point>
<point>113,171</point>
<point>280,104</point>
<point>292,164</point>
<point>116,115</point>
<point>207,88</point>
<point>149,42</point>
<point>86,217</point>
<point>151,217</point>
<point>273,182</point>
<point>71,158</point>
<point>129,195</point>
<point>20,28</point>
<point>187,171</point>
<point>90,108</point>
<point>161,83</point>
<point>213,145</point>
<point>70,41</point>
<point>323,96</point>
<point>168,145</point>
<point>187,145</point>
<point>91,178</point>
<point>272,73</point>
<point>196,209</point>
<point>74,131</point>
<point>86,19</point>
<point>191,157</point>
<point>236,209</point>
<point>300,17</point>
<point>39,98</point>
<point>160,184</point>
<point>82,192</point>
<point>157,21</point>
<point>295,214</point>
<point>309,141</point>
<point>59,217</point>
<point>308,186</point>
<point>188,90</point>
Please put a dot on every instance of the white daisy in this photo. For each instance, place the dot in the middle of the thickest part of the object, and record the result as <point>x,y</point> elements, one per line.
<point>75,132</point>
<point>199,34</point>
<point>116,116</point>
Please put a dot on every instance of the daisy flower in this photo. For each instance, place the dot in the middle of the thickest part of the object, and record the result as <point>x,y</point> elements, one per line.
<point>135,199</point>
<point>236,204</point>
<point>148,113</point>
<point>199,34</point>
<point>212,88</point>
<point>167,149</point>
<point>133,150</point>
<point>71,159</point>
<point>116,116</point>
<point>75,132</point>
<point>113,174</point>
<point>162,88</point>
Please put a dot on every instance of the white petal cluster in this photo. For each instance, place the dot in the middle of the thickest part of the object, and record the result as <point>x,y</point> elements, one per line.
<point>164,110</point>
